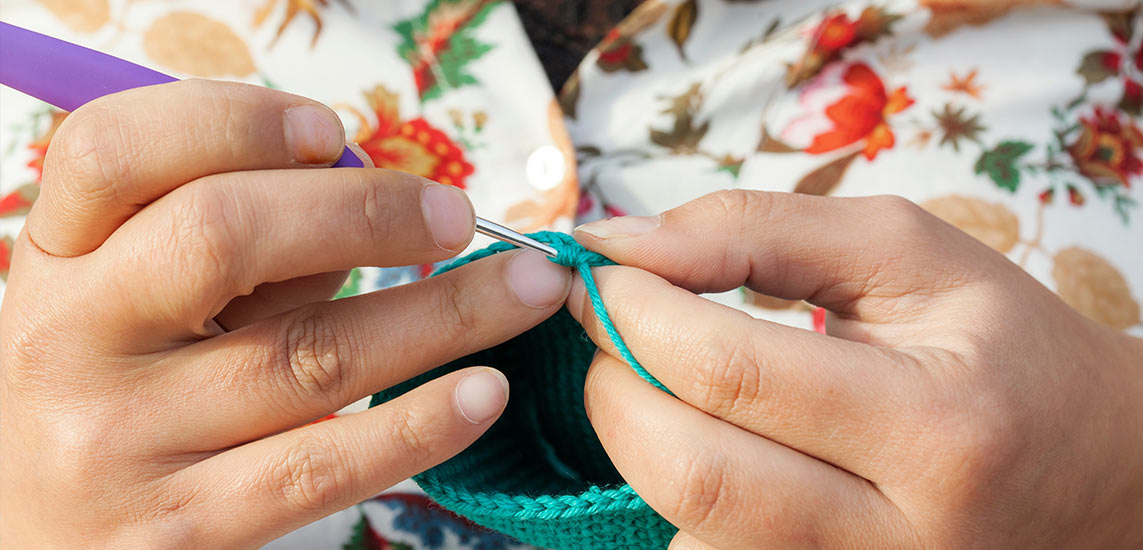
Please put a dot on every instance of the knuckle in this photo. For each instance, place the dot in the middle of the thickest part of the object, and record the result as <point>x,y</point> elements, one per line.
<point>412,436</point>
<point>904,217</point>
<point>727,378</point>
<point>315,350</point>
<point>376,224</point>
<point>459,320</point>
<point>311,477</point>
<point>699,487</point>
<point>204,241</point>
<point>92,151</point>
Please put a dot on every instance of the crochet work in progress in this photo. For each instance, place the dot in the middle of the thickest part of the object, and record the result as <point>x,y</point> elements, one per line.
<point>540,473</point>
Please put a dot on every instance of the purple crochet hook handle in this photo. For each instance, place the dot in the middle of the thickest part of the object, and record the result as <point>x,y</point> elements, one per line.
<point>68,75</point>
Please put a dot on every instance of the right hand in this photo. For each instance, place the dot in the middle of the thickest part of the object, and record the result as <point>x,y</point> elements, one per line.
<point>132,418</point>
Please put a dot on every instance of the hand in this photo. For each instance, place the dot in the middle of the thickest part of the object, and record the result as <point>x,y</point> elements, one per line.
<point>131,419</point>
<point>955,403</point>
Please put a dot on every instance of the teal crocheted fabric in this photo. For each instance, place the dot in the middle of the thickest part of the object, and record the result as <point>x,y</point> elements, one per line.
<point>540,474</point>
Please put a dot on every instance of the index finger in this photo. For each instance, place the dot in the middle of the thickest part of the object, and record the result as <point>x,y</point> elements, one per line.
<point>859,257</point>
<point>115,155</point>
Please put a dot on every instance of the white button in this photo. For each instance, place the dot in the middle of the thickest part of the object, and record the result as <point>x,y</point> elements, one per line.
<point>546,167</point>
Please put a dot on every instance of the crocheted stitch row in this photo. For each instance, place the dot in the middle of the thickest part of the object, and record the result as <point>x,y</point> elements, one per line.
<point>540,473</point>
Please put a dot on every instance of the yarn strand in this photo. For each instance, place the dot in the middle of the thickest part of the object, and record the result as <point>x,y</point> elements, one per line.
<point>574,255</point>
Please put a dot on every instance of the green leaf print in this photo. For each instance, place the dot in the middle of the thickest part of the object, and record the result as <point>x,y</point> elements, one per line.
<point>439,44</point>
<point>1000,163</point>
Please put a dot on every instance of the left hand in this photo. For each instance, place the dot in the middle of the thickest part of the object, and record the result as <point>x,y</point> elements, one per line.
<point>955,402</point>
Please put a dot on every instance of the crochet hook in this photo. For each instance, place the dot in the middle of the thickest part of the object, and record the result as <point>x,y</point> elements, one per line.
<point>68,75</point>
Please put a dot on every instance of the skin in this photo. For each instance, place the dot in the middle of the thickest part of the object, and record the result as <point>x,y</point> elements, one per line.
<point>166,334</point>
<point>166,337</point>
<point>954,403</point>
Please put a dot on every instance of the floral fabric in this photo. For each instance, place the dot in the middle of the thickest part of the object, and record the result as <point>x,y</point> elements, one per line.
<point>1017,121</point>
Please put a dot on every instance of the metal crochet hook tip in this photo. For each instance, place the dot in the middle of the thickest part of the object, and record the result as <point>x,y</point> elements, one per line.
<point>499,232</point>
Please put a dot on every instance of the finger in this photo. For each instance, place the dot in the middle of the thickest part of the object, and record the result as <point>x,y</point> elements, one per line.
<point>118,153</point>
<point>864,257</point>
<point>836,400</point>
<point>724,486</point>
<point>270,299</point>
<point>305,364</point>
<point>222,236</point>
<point>261,490</point>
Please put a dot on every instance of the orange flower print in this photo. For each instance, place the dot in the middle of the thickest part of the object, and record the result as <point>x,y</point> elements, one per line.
<point>39,146</point>
<point>848,104</point>
<point>19,201</point>
<point>414,146</point>
<point>1107,149</point>
<point>5,257</point>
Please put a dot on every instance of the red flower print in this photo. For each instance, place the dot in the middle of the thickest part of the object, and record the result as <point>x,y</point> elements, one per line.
<point>857,111</point>
<point>414,146</point>
<point>835,33</point>
<point>1106,151</point>
<point>19,202</point>
<point>1113,62</point>
<point>1119,62</point>
<point>39,146</point>
<point>5,257</point>
<point>613,211</point>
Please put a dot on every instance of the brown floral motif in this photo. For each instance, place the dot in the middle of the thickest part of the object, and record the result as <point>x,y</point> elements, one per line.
<point>1106,151</point>
<point>293,8</point>
<point>990,223</point>
<point>684,136</point>
<point>80,15</point>
<point>558,202</point>
<point>197,45</point>
<point>1092,286</point>
<point>949,15</point>
<point>956,125</point>
<point>680,24</point>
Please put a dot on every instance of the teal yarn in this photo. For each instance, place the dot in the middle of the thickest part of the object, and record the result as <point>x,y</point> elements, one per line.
<point>540,473</point>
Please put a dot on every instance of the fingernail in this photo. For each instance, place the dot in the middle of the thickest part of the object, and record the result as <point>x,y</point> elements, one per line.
<point>623,226</point>
<point>536,280</point>
<point>448,214</point>
<point>314,134</point>
<point>481,395</point>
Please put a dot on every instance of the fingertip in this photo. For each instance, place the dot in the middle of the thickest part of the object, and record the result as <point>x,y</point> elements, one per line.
<point>481,395</point>
<point>314,133</point>
<point>537,281</point>
<point>449,215</point>
<point>614,229</point>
